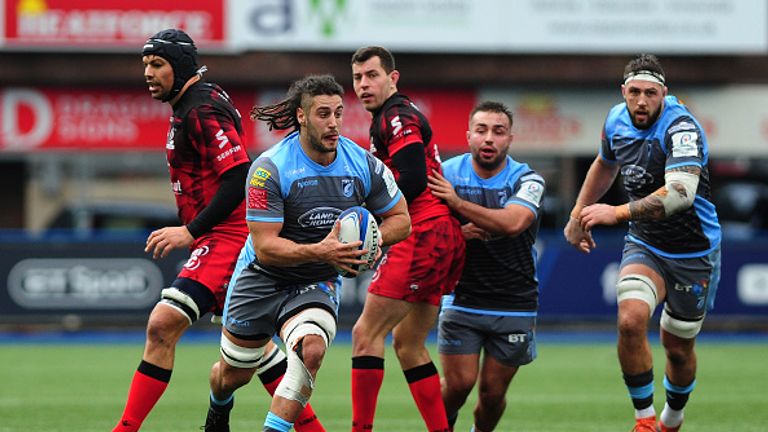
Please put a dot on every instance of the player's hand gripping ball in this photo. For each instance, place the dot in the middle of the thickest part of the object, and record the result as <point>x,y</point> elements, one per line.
<point>357,223</point>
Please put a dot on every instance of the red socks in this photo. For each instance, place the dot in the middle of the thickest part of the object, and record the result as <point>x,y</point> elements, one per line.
<point>424,383</point>
<point>148,385</point>
<point>367,377</point>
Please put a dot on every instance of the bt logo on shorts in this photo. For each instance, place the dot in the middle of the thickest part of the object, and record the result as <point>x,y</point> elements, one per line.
<point>517,337</point>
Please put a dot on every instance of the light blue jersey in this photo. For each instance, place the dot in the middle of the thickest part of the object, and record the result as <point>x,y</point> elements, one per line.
<point>285,186</point>
<point>644,155</point>
<point>500,273</point>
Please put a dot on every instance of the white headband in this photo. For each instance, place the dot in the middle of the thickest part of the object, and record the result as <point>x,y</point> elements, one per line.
<point>645,75</point>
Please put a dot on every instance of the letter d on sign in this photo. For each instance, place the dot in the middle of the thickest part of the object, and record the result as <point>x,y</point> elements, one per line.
<point>26,119</point>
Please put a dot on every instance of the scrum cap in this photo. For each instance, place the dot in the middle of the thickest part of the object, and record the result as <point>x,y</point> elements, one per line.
<point>179,50</point>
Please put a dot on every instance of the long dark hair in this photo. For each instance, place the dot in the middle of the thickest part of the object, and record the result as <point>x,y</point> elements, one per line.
<point>282,115</point>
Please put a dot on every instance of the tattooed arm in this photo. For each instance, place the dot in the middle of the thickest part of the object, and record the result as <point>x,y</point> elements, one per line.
<point>675,196</point>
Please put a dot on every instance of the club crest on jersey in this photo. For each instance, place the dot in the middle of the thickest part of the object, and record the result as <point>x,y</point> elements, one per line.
<point>347,187</point>
<point>502,194</point>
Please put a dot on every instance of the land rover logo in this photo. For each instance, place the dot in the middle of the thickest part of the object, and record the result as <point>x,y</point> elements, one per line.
<point>319,217</point>
<point>85,283</point>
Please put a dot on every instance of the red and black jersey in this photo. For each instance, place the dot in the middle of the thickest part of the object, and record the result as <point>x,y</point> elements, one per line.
<point>396,125</point>
<point>205,140</point>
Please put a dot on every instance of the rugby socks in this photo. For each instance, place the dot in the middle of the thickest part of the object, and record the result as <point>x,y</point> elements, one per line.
<point>677,397</point>
<point>271,371</point>
<point>148,385</point>
<point>367,377</point>
<point>424,383</point>
<point>222,406</point>
<point>273,423</point>
<point>640,388</point>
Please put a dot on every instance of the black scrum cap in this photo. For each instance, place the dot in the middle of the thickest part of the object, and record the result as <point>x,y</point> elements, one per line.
<point>179,50</point>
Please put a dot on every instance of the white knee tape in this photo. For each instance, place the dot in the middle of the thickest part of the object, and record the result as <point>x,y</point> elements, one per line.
<point>637,287</point>
<point>175,298</point>
<point>240,357</point>
<point>679,328</point>
<point>309,322</point>
<point>297,384</point>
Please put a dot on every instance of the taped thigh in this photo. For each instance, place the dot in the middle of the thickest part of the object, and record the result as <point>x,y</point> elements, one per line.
<point>182,302</point>
<point>637,287</point>
<point>240,357</point>
<point>680,328</point>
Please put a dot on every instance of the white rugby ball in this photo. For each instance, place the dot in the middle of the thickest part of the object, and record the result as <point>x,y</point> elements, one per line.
<point>357,223</point>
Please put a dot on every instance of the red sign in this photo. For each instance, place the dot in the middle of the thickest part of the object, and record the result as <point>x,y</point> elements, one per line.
<point>447,111</point>
<point>54,119</point>
<point>109,23</point>
<point>35,119</point>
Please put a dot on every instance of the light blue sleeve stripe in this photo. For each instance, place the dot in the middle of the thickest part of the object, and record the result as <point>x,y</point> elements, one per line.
<point>523,203</point>
<point>264,219</point>
<point>643,392</point>
<point>390,205</point>
<point>677,389</point>
<point>682,164</point>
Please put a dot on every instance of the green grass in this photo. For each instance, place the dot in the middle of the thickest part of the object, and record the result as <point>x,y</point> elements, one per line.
<point>570,388</point>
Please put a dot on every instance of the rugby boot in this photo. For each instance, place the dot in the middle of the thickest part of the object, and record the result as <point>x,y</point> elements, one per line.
<point>216,421</point>
<point>663,428</point>
<point>645,424</point>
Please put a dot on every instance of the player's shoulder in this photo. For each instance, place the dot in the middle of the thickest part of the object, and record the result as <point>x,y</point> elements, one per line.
<point>616,115</point>
<point>457,162</point>
<point>458,169</point>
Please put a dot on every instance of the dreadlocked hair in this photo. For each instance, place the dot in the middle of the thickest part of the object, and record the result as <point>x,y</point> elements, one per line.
<point>282,115</point>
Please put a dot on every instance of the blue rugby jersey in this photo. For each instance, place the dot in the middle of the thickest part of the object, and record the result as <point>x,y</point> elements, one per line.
<point>500,273</point>
<point>286,186</point>
<point>675,139</point>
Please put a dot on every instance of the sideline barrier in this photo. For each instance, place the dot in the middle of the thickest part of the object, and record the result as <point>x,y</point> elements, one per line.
<point>112,281</point>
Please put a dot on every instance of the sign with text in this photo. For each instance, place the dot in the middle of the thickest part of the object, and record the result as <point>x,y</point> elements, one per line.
<point>503,26</point>
<point>45,119</point>
<point>108,23</point>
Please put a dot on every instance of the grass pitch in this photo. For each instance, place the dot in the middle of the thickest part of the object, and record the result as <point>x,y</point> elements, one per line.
<point>570,387</point>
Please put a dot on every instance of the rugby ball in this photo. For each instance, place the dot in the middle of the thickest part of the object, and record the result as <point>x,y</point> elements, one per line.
<point>357,223</point>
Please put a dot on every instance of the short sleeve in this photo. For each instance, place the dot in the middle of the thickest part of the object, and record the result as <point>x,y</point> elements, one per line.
<point>684,143</point>
<point>528,191</point>
<point>403,128</point>
<point>384,192</point>
<point>263,198</point>
<point>217,139</point>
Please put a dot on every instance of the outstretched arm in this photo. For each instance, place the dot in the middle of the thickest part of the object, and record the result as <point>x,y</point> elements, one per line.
<point>599,179</point>
<point>676,195</point>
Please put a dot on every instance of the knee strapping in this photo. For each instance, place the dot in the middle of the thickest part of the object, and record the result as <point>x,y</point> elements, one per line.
<point>240,357</point>
<point>270,360</point>
<point>680,328</point>
<point>298,384</point>
<point>637,287</point>
<point>182,302</point>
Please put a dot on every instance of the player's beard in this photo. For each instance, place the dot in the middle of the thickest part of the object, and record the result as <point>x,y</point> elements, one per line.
<point>490,164</point>
<point>651,119</point>
<point>316,140</point>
